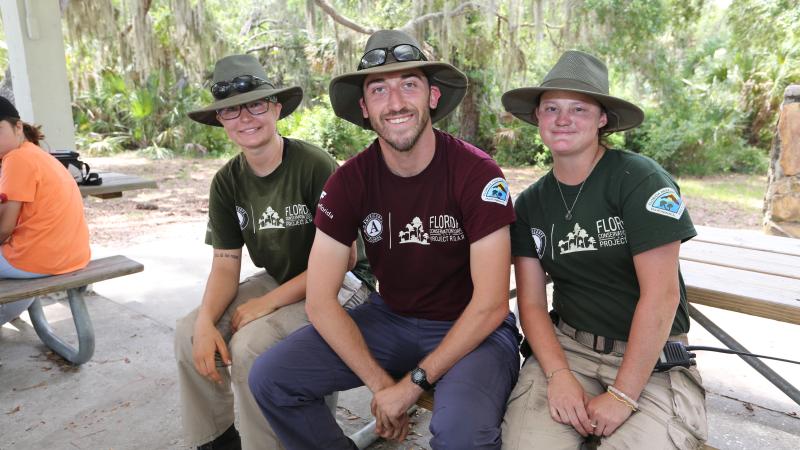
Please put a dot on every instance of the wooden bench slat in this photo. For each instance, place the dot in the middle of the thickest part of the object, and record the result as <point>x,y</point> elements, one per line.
<point>761,261</point>
<point>757,294</point>
<point>97,270</point>
<point>748,239</point>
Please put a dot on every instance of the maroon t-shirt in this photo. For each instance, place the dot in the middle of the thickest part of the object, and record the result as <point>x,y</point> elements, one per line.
<point>417,230</point>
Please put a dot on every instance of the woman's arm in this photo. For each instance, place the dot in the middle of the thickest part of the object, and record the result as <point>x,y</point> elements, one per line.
<point>659,295</point>
<point>9,213</point>
<point>566,397</point>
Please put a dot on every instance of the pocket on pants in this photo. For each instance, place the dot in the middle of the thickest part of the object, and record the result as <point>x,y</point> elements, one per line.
<point>688,427</point>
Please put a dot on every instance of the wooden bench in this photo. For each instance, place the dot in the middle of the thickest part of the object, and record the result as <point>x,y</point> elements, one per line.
<point>114,184</point>
<point>747,272</point>
<point>75,284</point>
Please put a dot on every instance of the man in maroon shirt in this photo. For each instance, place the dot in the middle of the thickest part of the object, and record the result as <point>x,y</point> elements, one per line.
<point>434,213</point>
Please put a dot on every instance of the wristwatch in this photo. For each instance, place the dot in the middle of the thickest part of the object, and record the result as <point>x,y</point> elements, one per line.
<point>420,378</point>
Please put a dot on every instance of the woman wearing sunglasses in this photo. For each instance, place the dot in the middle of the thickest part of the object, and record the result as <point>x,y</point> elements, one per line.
<point>264,198</point>
<point>42,227</point>
<point>606,225</point>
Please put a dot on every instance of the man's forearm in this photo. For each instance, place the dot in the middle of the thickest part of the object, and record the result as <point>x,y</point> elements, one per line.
<point>340,332</point>
<point>486,309</point>
<point>327,267</point>
<point>469,331</point>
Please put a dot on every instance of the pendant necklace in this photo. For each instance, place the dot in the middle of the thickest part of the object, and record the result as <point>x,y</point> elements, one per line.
<point>568,215</point>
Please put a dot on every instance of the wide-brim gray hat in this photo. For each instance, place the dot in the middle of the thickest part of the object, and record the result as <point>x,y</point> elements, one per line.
<point>234,66</point>
<point>346,90</point>
<point>576,72</point>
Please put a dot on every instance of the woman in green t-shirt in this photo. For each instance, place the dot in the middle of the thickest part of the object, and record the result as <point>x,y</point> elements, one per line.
<point>606,226</point>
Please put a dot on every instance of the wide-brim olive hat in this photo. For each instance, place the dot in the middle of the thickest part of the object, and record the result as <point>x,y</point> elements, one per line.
<point>346,90</point>
<point>234,66</point>
<point>576,72</point>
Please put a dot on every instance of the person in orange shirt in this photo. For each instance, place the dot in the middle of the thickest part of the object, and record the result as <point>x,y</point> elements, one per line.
<point>42,227</point>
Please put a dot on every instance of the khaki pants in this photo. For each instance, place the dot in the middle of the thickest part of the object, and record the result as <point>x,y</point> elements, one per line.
<point>672,412</point>
<point>208,408</point>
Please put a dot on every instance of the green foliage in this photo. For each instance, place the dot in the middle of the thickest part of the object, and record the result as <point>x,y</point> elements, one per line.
<point>697,138</point>
<point>709,74</point>
<point>319,125</point>
<point>519,145</point>
<point>117,116</point>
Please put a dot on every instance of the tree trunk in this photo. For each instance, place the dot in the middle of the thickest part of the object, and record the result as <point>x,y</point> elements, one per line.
<point>311,20</point>
<point>470,112</point>
<point>538,19</point>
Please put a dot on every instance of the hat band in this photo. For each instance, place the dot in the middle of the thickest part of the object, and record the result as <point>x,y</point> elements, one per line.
<point>573,84</point>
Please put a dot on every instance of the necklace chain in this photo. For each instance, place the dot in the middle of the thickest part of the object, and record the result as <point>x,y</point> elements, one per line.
<point>568,215</point>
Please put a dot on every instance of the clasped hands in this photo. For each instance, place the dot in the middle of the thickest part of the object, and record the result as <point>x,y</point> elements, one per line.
<point>390,408</point>
<point>569,404</point>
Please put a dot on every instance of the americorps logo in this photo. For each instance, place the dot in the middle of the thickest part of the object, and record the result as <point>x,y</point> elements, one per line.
<point>373,228</point>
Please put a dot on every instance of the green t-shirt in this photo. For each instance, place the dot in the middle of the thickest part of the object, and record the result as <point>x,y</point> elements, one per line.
<point>273,215</point>
<point>628,205</point>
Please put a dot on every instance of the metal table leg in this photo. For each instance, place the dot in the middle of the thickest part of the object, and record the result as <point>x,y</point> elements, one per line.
<point>83,327</point>
<point>756,363</point>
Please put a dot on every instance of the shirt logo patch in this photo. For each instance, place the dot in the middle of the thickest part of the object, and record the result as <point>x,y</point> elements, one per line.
<point>578,240</point>
<point>373,228</point>
<point>540,240</point>
<point>414,233</point>
<point>496,191</point>
<point>270,219</point>
<point>322,195</point>
<point>666,202</point>
<point>242,216</point>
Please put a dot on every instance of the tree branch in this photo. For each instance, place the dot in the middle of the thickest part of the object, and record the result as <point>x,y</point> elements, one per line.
<point>340,19</point>
<point>267,47</point>
<point>460,9</point>
<point>409,26</point>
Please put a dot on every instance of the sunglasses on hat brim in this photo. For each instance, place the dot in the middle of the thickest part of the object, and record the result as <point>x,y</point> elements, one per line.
<point>401,53</point>
<point>240,84</point>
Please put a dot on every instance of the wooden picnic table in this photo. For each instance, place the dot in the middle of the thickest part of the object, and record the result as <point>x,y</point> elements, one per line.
<point>114,184</point>
<point>747,272</point>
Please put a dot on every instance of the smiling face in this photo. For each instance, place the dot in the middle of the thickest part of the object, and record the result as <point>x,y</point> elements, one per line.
<point>11,136</point>
<point>253,131</point>
<point>569,122</point>
<point>398,106</point>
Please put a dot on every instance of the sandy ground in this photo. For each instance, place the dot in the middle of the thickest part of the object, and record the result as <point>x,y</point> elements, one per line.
<point>182,195</point>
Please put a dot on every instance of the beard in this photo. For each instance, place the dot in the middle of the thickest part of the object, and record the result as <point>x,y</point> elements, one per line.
<point>405,141</point>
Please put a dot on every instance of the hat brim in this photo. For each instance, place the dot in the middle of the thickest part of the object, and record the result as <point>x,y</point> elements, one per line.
<point>289,98</point>
<point>622,115</point>
<point>346,90</point>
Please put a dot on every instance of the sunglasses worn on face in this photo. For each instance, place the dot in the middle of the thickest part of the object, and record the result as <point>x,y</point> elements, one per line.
<point>255,108</point>
<point>240,84</point>
<point>403,52</point>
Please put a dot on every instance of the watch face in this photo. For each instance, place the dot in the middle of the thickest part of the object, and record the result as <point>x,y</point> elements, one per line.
<point>417,376</point>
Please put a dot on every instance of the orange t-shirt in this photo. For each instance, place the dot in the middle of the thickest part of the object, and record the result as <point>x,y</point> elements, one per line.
<point>51,236</point>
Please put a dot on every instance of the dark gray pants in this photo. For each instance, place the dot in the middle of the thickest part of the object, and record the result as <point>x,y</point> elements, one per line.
<point>290,380</point>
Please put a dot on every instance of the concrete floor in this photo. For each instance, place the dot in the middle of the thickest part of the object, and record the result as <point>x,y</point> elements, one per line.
<point>126,396</point>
